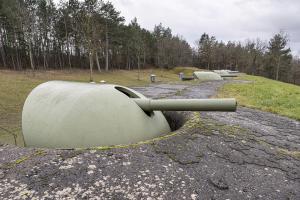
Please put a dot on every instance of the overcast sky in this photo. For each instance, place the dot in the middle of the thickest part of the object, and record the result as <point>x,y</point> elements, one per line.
<point>225,19</point>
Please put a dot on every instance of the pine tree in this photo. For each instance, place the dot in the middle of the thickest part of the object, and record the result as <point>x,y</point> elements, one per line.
<point>279,56</point>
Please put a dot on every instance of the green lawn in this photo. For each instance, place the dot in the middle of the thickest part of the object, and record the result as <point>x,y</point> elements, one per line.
<point>15,86</point>
<point>265,94</point>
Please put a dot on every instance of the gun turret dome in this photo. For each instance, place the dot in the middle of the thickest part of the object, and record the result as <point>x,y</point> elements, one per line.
<point>60,114</point>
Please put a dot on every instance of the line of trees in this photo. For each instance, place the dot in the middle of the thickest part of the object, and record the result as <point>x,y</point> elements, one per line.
<point>92,34</point>
<point>271,59</point>
<point>37,34</point>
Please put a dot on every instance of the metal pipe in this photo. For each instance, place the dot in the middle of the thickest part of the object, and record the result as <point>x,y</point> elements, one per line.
<point>229,104</point>
<point>228,75</point>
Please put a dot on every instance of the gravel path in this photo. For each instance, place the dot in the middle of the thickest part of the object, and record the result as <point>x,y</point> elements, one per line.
<point>248,154</point>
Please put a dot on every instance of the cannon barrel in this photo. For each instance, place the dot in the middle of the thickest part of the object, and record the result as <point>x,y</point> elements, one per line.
<point>63,114</point>
<point>229,104</point>
<point>233,72</point>
<point>228,75</point>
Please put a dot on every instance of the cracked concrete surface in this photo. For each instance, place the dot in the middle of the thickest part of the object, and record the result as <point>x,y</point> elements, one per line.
<point>248,154</point>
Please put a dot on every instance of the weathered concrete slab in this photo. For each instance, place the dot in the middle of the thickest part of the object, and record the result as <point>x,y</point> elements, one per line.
<point>244,155</point>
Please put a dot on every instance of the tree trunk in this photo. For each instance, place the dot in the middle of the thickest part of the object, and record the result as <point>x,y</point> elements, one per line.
<point>277,69</point>
<point>13,62</point>
<point>129,64</point>
<point>127,59</point>
<point>47,54</point>
<point>2,49</point>
<point>144,62</point>
<point>68,45</point>
<point>106,49</point>
<point>91,65</point>
<point>254,65</point>
<point>59,61</point>
<point>44,58</point>
<point>16,51</point>
<point>97,61</point>
<point>19,64</point>
<point>31,56</point>
<point>139,66</point>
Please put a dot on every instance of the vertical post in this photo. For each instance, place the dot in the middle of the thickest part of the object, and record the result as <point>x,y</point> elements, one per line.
<point>181,75</point>
<point>152,78</point>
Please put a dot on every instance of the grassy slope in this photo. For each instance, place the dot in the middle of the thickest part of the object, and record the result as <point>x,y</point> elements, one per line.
<point>15,86</point>
<point>266,94</point>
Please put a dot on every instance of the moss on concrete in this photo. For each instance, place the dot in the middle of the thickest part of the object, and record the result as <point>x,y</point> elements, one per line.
<point>22,159</point>
<point>294,154</point>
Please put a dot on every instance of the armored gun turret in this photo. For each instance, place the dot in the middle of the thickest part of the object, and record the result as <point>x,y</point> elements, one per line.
<point>60,114</point>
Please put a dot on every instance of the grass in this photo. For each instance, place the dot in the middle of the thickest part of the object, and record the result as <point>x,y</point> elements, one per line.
<point>265,94</point>
<point>188,71</point>
<point>15,86</point>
